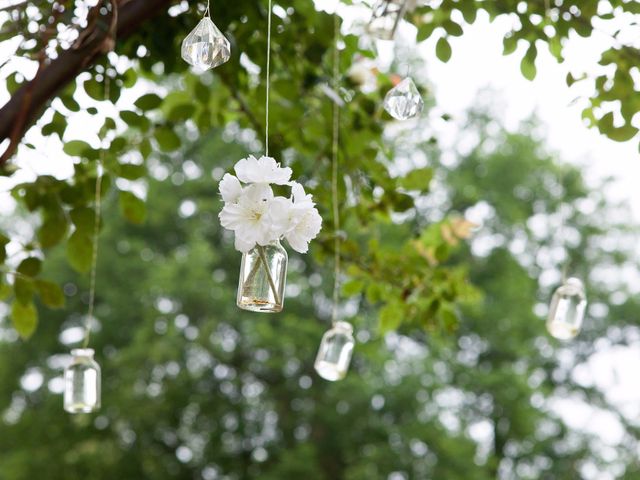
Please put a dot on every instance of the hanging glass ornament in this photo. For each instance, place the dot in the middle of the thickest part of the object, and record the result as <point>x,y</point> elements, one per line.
<point>567,310</point>
<point>403,101</point>
<point>263,274</point>
<point>82,382</point>
<point>386,17</point>
<point>334,355</point>
<point>206,47</point>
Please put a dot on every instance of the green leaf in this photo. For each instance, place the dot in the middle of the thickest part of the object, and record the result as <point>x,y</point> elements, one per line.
<point>167,139</point>
<point>24,317</point>
<point>23,288</point>
<point>148,102</point>
<point>418,179</point>
<point>352,287</point>
<point>181,112</point>
<point>83,219</point>
<point>145,148</point>
<point>50,293</point>
<point>76,148</point>
<point>30,266</point>
<point>3,252</point>
<point>131,171</point>
<point>54,225</point>
<point>618,134</point>
<point>443,49</point>
<point>133,209</point>
<point>5,291</point>
<point>453,28</point>
<point>528,63</point>
<point>390,317</point>
<point>510,44</point>
<point>80,251</point>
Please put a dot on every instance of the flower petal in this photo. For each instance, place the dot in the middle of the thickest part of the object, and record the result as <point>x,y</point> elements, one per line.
<point>230,188</point>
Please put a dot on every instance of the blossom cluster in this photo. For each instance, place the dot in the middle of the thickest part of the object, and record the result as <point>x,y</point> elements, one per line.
<point>257,216</point>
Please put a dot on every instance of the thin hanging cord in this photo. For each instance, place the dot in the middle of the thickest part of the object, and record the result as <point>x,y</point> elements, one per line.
<point>266,122</point>
<point>334,169</point>
<point>207,12</point>
<point>96,229</point>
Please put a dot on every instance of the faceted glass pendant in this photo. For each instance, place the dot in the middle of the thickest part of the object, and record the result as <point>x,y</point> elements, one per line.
<point>335,352</point>
<point>386,17</point>
<point>567,310</point>
<point>205,47</point>
<point>403,101</point>
<point>263,275</point>
<point>82,383</point>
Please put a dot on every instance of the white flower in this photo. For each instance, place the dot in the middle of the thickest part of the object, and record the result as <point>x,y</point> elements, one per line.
<point>249,218</point>
<point>306,229</point>
<point>296,219</point>
<point>230,188</point>
<point>257,217</point>
<point>263,170</point>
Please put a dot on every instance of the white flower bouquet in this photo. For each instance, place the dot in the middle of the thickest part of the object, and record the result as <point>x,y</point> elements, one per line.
<point>260,219</point>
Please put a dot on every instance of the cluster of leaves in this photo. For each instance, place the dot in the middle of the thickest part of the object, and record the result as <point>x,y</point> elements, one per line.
<point>185,105</point>
<point>551,23</point>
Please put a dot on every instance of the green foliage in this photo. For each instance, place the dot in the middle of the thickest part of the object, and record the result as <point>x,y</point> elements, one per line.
<point>25,318</point>
<point>132,207</point>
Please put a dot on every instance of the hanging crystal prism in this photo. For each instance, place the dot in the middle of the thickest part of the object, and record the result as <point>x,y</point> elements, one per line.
<point>403,101</point>
<point>334,355</point>
<point>567,310</point>
<point>205,47</point>
<point>82,382</point>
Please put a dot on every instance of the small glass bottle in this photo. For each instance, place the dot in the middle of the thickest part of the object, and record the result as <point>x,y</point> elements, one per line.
<point>263,274</point>
<point>335,352</point>
<point>567,310</point>
<point>82,382</point>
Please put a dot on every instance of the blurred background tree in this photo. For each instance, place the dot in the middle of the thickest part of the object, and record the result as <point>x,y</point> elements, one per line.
<point>194,388</point>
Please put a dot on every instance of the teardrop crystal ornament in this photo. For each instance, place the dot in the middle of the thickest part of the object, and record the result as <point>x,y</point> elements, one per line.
<point>206,47</point>
<point>334,355</point>
<point>567,310</point>
<point>82,382</point>
<point>403,101</point>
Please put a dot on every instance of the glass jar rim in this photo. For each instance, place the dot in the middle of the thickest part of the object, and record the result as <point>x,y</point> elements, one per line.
<point>82,352</point>
<point>343,326</point>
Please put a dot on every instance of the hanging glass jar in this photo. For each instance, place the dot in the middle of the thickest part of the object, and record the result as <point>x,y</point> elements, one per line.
<point>82,382</point>
<point>263,275</point>
<point>567,310</point>
<point>386,16</point>
<point>334,355</point>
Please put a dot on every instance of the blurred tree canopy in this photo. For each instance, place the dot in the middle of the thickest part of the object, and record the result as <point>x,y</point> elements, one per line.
<point>160,106</point>
<point>193,388</point>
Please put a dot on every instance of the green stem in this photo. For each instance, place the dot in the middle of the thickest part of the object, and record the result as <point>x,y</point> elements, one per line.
<point>263,257</point>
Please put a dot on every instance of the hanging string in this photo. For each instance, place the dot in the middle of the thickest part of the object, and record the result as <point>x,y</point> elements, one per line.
<point>96,228</point>
<point>207,12</point>
<point>268,82</point>
<point>334,168</point>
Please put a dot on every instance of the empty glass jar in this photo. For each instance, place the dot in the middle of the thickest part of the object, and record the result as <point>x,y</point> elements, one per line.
<point>82,382</point>
<point>335,352</point>
<point>263,275</point>
<point>567,310</point>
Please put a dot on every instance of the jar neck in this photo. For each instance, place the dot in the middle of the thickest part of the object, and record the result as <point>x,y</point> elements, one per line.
<point>83,352</point>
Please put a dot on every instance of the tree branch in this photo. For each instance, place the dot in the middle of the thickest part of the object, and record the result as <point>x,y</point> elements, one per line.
<point>28,102</point>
